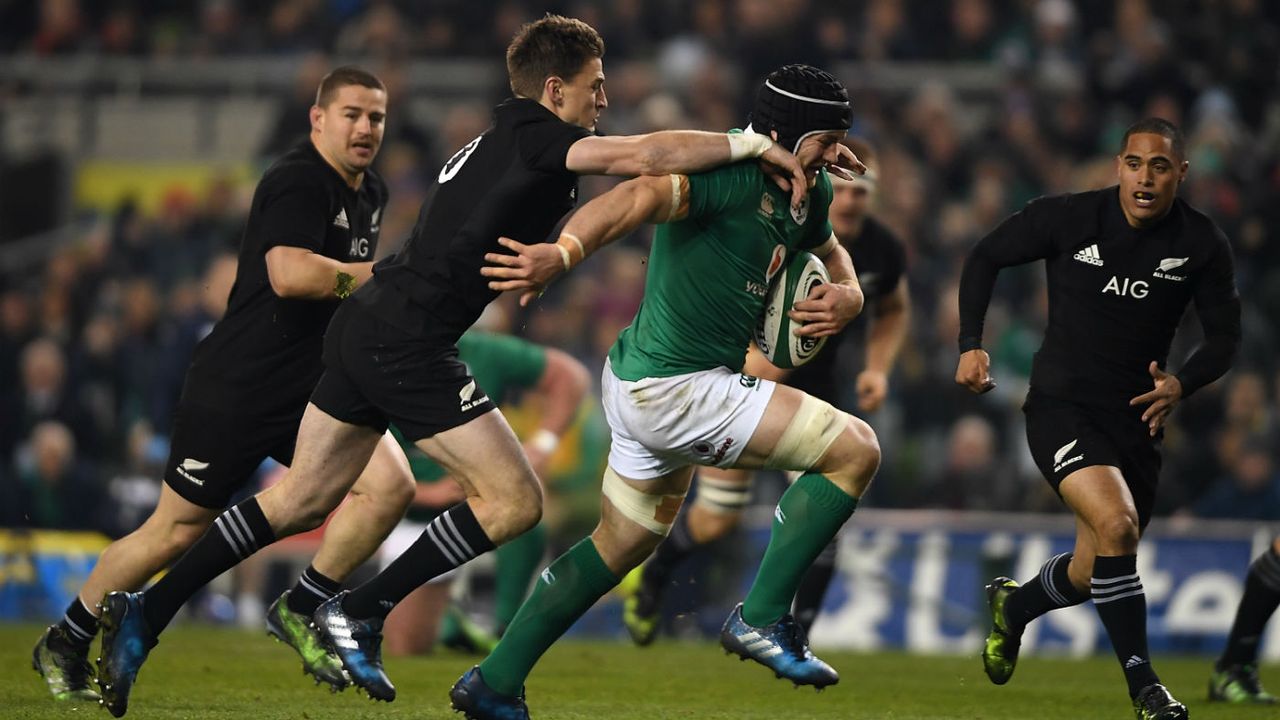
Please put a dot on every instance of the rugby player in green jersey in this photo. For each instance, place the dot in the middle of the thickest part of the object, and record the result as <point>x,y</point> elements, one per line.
<point>674,395</point>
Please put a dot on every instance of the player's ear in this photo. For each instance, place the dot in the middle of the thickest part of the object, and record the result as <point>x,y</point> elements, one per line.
<point>1182,170</point>
<point>553,89</point>
<point>317,118</point>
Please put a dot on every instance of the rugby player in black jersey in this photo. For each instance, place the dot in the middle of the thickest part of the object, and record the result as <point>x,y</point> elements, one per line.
<point>880,261</point>
<point>390,354</point>
<point>309,241</point>
<point>1122,263</point>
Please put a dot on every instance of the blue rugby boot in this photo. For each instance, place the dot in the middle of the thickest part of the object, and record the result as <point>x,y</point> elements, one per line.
<point>126,641</point>
<point>782,647</point>
<point>358,643</point>
<point>477,701</point>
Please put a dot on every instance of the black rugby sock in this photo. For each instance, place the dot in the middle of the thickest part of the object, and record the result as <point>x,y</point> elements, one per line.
<point>1050,590</point>
<point>813,586</point>
<point>311,589</point>
<point>1261,597</point>
<point>450,540</point>
<point>235,535</point>
<point>677,546</point>
<point>1122,605</point>
<point>79,625</point>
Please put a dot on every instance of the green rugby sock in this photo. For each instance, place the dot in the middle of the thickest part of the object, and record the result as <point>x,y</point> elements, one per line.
<point>518,562</point>
<point>809,514</point>
<point>565,590</point>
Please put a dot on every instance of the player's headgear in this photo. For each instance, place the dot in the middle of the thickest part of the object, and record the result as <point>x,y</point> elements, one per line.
<point>799,101</point>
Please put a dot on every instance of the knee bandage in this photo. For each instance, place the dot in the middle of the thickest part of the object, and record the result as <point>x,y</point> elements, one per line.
<point>813,428</point>
<point>723,496</point>
<point>654,513</point>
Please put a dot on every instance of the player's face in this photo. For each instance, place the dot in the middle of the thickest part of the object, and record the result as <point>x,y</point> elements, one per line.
<point>581,98</point>
<point>1149,176</point>
<point>818,151</point>
<point>349,129</point>
<point>850,202</point>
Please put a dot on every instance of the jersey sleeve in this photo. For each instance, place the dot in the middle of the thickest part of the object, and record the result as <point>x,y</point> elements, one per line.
<point>544,144</point>
<point>1023,237</point>
<point>895,266</point>
<point>716,191</point>
<point>295,212</point>
<point>1218,305</point>
<point>818,224</point>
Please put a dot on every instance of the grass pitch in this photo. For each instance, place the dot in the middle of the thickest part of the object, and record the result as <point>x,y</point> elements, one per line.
<point>199,672</point>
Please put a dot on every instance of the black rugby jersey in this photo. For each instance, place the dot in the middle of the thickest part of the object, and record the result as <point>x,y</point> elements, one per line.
<point>511,181</point>
<point>880,262</point>
<point>264,354</point>
<point>1116,294</point>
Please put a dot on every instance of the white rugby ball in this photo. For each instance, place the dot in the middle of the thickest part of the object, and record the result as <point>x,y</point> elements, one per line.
<point>774,334</point>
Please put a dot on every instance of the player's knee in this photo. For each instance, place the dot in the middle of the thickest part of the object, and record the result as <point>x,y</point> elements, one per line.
<point>399,492</point>
<point>854,458</point>
<point>1118,533</point>
<point>708,524</point>
<point>525,509</point>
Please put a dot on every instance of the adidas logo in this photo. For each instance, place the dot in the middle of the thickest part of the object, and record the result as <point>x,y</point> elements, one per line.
<point>759,647</point>
<point>1089,255</point>
<point>548,577</point>
<point>780,516</point>
<point>1134,661</point>
<point>341,220</point>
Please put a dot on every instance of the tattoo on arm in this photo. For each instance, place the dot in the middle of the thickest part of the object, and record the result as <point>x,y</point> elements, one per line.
<point>345,285</point>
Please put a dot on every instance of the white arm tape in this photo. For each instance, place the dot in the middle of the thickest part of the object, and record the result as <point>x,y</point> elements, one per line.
<point>743,146</point>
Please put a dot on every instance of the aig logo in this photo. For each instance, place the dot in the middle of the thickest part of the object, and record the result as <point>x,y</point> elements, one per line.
<point>360,247</point>
<point>1124,286</point>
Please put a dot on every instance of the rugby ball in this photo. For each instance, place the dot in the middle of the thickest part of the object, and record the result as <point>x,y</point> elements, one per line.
<point>792,283</point>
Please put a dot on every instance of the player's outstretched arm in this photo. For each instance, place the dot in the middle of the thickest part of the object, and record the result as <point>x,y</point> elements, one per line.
<point>887,331</point>
<point>599,222</point>
<point>562,387</point>
<point>301,274</point>
<point>684,152</point>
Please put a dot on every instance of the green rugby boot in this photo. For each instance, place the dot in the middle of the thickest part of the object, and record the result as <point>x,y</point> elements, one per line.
<point>463,634</point>
<point>1239,684</point>
<point>297,632</point>
<point>1000,653</point>
<point>65,669</point>
<point>640,607</point>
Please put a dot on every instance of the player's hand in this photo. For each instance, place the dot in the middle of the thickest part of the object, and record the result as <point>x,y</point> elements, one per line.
<point>786,172</point>
<point>538,460</point>
<point>531,268</point>
<point>1163,398</point>
<point>974,371</point>
<point>829,307</point>
<point>847,165</point>
<point>872,387</point>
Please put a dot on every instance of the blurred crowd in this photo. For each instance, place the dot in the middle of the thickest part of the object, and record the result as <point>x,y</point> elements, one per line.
<point>94,344</point>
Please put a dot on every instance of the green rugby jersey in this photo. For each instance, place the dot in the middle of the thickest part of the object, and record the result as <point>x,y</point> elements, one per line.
<point>500,364</point>
<point>709,274</point>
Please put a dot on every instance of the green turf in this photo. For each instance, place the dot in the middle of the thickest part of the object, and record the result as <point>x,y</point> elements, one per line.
<point>212,673</point>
